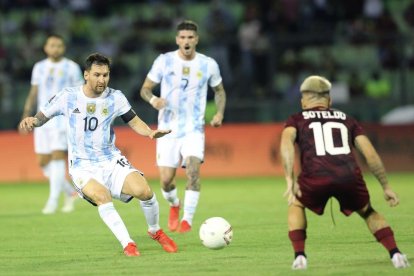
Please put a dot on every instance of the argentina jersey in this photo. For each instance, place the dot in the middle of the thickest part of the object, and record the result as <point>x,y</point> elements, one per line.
<point>91,138</point>
<point>50,78</point>
<point>184,85</point>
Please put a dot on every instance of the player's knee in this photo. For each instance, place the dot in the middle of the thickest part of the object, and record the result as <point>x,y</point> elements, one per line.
<point>366,212</point>
<point>101,198</point>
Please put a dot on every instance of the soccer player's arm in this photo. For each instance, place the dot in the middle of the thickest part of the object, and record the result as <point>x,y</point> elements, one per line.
<point>140,127</point>
<point>30,101</point>
<point>287,150</point>
<point>375,165</point>
<point>147,95</point>
<point>29,123</point>
<point>220,100</point>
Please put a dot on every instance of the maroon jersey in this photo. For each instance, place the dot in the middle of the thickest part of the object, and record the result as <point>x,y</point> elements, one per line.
<point>325,138</point>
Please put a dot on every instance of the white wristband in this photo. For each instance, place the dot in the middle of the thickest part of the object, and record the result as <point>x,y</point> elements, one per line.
<point>151,101</point>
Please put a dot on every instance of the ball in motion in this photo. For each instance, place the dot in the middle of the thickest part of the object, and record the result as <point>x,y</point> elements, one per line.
<point>216,233</point>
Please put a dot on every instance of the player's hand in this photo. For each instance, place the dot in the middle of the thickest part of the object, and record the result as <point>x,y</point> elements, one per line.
<point>28,124</point>
<point>158,103</point>
<point>292,191</point>
<point>21,130</point>
<point>217,120</point>
<point>391,197</point>
<point>158,133</point>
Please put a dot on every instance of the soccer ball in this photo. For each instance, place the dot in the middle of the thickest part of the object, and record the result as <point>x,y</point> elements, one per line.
<point>215,233</point>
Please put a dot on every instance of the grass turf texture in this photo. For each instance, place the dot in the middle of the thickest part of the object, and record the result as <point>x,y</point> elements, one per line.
<point>79,243</point>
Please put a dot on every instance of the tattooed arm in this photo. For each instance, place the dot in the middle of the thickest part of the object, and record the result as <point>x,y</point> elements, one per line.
<point>29,123</point>
<point>146,94</point>
<point>375,165</point>
<point>220,100</point>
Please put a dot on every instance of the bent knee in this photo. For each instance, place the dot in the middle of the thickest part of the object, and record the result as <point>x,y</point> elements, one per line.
<point>366,212</point>
<point>100,197</point>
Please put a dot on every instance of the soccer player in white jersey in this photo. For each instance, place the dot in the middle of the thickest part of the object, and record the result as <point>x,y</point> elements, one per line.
<point>49,76</point>
<point>98,169</point>
<point>184,76</point>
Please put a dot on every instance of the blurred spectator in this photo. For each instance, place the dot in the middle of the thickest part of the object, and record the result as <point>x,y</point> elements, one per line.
<point>221,26</point>
<point>356,86</point>
<point>377,86</point>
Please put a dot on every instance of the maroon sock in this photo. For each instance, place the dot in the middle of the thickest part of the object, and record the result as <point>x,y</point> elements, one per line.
<point>386,237</point>
<point>298,237</point>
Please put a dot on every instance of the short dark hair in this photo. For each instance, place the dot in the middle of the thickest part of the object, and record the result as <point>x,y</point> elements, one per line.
<point>98,59</point>
<point>187,25</point>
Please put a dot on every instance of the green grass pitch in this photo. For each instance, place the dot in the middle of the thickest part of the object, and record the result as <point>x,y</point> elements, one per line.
<point>79,243</point>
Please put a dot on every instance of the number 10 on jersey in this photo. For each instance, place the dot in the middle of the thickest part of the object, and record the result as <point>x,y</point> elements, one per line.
<point>91,123</point>
<point>324,141</point>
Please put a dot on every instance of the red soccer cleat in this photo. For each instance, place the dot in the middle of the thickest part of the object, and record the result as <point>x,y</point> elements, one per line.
<point>184,227</point>
<point>173,221</point>
<point>131,250</point>
<point>165,241</point>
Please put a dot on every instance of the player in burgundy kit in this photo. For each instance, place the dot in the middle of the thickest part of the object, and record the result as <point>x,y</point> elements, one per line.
<point>325,138</point>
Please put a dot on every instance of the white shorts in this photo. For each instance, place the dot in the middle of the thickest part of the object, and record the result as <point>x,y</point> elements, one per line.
<point>110,173</point>
<point>172,151</point>
<point>47,140</point>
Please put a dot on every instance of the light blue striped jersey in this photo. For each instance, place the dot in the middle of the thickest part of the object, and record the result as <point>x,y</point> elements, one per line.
<point>51,77</point>
<point>91,138</point>
<point>184,86</point>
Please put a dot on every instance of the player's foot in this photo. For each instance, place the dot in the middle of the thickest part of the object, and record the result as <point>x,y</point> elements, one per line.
<point>165,241</point>
<point>184,227</point>
<point>300,263</point>
<point>49,209</point>
<point>69,203</point>
<point>400,260</point>
<point>131,250</point>
<point>173,219</point>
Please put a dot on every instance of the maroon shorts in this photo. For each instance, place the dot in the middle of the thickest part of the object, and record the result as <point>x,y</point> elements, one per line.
<point>352,196</point>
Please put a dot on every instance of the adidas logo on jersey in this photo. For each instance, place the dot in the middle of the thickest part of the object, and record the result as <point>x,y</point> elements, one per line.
<point>76,110</point>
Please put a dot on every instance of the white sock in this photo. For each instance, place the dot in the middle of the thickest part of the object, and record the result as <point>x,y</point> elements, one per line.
<point>112,219</point>
<point>151,211</point>
<point>57,177</point>
<point>171,197</point>
<point>190,205</point>
<point>46,170</point>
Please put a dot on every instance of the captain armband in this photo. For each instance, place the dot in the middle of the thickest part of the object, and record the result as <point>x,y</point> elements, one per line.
<point>128,116</point>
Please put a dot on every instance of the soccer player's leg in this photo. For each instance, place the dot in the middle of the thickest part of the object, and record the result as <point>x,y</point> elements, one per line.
<point>313,197</point>
<point>383,234</point>
<point>168,159</point>
<point>192,192</point>
<point>136,185</point>
<point>169,192</point>
<point>356,198</point>
<point>101,196</point>
<point>297,233</point>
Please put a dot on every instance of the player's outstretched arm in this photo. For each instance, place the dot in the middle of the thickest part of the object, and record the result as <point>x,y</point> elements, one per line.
<point>146,94</point>
<point>220,100</point>
<point>140,127</point>
<point>29,123</point>
<point>375,165</point>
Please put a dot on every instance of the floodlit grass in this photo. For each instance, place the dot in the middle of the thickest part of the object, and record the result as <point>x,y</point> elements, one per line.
<point>79,243</point>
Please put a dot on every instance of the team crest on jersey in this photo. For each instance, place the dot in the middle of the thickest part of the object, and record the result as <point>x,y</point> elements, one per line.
<point>186,71</point>
<point>91,108</point>
<point>199,74</point>
<point>105,111</point>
